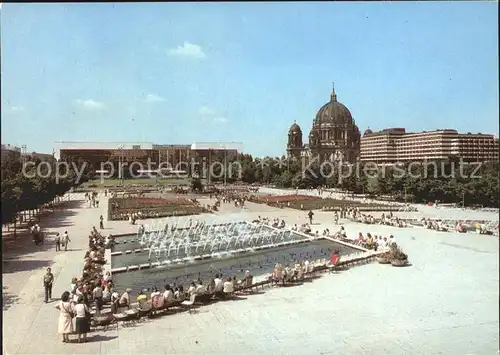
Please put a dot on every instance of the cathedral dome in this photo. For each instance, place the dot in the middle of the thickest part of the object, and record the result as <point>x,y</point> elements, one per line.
<point>295,128</point>
<point>333,112</point>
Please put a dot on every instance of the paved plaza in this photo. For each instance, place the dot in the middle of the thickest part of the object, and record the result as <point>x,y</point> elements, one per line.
<point>445,303</point>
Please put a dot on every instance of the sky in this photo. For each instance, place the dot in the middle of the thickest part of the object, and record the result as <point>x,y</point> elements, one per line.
<point>178,73</point>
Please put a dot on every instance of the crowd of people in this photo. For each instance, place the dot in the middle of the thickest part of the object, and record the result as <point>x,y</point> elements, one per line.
<point>376,243</point>
<point>355,215</point>
<point>437,225</point>
<point>93,288</point>
<point>235,197</point>
<point>91,199</point>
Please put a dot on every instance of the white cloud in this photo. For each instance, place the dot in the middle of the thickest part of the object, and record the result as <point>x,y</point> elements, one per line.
<point>207,114</point>
<point>17,108</point>
<point>90,105</point>
<point>220,119</point>
<point>187,50</point>
<point>205,111</point>
<point>154,98</point>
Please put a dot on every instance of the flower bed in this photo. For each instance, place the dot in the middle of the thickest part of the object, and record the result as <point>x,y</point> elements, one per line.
<point>148,207</point>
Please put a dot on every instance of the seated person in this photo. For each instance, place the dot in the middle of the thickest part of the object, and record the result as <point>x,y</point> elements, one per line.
<point>288,273</point>
<point>155,292</point>
<point>200,289</point>
<point>360,239</point>
<point>278,273</point>
<point>306,266</point>
<point>383,243</point>
<point>192,288</point>
<point>168,294</point>
<point>335,258</point>
<point>219,284</point>
<point>228,286</point>
<point>369,242</point>
<point>179,293</point>
<point>142,299</point>
<point>124,300</point>
<point>248,279</point>
<point>211,287</point>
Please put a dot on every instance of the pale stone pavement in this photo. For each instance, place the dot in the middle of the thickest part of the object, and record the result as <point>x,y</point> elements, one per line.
<point>445,303</point>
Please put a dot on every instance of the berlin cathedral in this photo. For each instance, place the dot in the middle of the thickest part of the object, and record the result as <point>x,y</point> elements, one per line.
<point>334,135</point>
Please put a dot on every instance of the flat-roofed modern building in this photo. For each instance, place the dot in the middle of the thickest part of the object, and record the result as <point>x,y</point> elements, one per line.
<point>166,156</point>
<point>477,147</point>
<point>395,145</point>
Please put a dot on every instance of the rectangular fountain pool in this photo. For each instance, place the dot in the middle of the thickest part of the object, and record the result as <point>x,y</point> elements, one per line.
<point>258,262</point>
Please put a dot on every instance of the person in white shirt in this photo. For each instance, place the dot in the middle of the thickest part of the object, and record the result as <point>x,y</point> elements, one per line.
<point>168,294</point>
<point>383,243</point>
<point>78,294</point>
<point>125,298</point>
<point>65,240</point>
<point>155,292</point>
<point>115,296</point>
<point>192,288</point>
<point>219,284</point>
<point>82,322</point>
<point>391,240</point>
<point>200,289</point>
<point>228,286</point>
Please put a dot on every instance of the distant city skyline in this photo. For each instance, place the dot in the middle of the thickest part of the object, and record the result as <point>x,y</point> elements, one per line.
<point>177,73</point>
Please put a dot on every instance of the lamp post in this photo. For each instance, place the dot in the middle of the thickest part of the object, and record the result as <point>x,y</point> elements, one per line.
<point>120,162</point>
<point>23,154</point>
<point>338,158</point>
<point>225,164</point>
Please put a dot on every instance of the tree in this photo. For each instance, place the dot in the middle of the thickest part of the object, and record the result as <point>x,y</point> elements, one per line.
<point>28,190</point>
<point>196,185</point>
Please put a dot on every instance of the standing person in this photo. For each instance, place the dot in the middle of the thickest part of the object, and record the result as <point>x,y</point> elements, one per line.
<point>48,279</point>
<point>65,324</point>
<point>82,320</point>
<point>101,222</point>
<point>58,242</point>
<point>97,295</point>
<point>336,218</point>
<point>66,240</point>
<point>310,215</point>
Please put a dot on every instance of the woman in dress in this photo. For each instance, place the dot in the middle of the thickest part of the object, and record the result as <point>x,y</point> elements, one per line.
<point>82,321</point>
<point>65,325</point>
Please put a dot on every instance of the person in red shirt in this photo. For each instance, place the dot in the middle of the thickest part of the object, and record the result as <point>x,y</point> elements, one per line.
<point>334,259</point>
<point>360,238</point>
